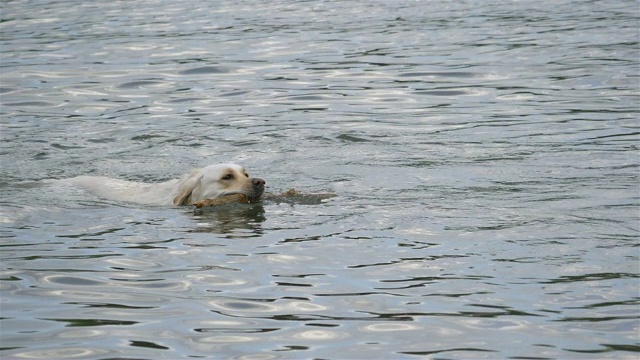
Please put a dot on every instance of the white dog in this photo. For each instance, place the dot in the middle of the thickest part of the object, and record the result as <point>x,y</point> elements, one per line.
<point>207,183</point>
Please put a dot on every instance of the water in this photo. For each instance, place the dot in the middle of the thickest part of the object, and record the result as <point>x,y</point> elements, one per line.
<point>485,158</point>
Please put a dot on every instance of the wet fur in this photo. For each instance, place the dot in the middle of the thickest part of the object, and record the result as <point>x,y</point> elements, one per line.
<point>209,182</point>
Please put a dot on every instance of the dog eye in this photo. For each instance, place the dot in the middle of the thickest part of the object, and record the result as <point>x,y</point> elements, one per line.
<point>245,174</point>
<point>227,177</point>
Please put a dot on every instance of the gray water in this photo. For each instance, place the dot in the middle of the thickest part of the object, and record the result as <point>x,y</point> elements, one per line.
<point>484,156</point>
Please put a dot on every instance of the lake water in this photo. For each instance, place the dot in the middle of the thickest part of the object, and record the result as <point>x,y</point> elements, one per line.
<point>484,156</point>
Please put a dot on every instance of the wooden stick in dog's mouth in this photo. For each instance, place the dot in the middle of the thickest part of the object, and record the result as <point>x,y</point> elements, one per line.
<point>223,200</point>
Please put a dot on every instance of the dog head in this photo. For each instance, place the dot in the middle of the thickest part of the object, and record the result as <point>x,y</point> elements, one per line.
<point>217,180</point>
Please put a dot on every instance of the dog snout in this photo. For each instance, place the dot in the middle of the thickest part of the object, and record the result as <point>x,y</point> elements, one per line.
<point>258,182</point>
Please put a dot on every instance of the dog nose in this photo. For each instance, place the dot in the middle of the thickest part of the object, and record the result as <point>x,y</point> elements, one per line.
<point>258,182</point>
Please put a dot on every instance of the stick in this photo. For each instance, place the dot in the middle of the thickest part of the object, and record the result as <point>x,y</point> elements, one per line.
<point>223,200</point>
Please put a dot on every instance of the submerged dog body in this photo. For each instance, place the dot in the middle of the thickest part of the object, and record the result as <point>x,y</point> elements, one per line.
<point>209,182</point>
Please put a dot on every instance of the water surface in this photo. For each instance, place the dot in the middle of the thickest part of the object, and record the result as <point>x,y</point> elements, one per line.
<point>485,158</point>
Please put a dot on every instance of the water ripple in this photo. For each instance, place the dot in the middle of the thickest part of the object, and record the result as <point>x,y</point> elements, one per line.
<point>484,158</point>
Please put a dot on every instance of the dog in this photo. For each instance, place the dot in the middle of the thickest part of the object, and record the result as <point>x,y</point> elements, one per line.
<point>210,182</point>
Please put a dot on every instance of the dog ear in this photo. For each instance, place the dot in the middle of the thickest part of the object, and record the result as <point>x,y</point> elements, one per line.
<point>187,186</point>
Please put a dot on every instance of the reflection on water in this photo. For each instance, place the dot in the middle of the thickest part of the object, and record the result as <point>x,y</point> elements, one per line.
<point>231,221</point>
<point>484,160</point>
